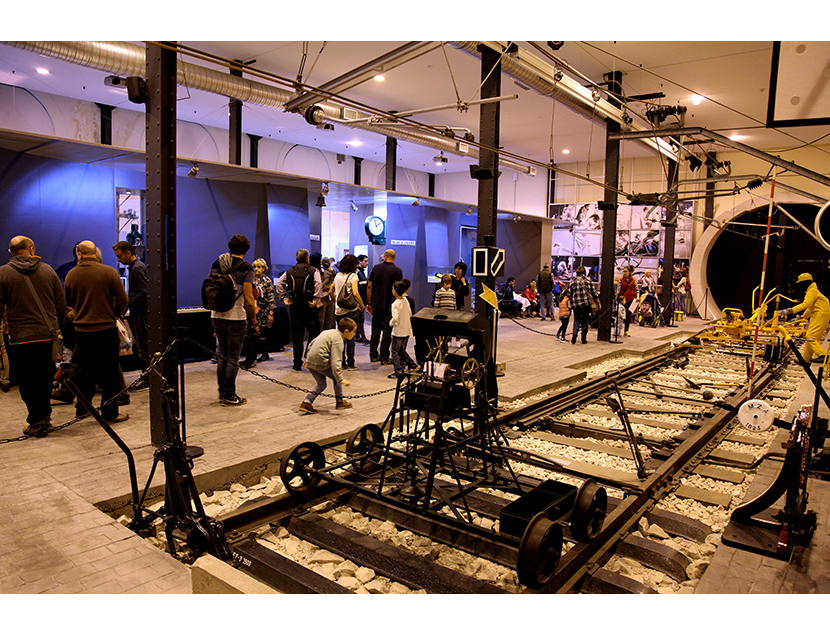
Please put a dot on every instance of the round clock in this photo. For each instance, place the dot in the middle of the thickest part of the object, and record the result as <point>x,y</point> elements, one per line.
<point>375,226</point>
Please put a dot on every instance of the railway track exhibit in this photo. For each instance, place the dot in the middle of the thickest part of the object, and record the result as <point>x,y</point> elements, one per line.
<point>624,483</point>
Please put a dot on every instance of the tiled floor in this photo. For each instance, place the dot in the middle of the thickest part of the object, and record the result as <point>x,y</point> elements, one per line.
<point>53,539</point>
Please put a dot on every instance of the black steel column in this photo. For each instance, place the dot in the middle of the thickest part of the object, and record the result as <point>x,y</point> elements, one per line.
<point>391,162</point>
<point>488,188</point>
<point>670,225</point>
<point>161,224</point>
<point>358,165</point>
<point>235,126</point>
<point>709,201</point>
<point>551,191</point>
<point>254,153</point>
<point>609,217</point>
<point>106,123</point>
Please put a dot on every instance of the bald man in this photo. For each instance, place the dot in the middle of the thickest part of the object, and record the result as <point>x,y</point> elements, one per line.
<point>379,305</point>
<point>97,295</point>
<point>30,334</point>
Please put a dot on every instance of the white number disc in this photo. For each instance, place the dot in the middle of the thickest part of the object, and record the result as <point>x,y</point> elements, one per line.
<point>756,415</point>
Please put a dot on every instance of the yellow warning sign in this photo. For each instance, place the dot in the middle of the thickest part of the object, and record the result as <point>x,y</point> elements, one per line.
<point>489,296</point>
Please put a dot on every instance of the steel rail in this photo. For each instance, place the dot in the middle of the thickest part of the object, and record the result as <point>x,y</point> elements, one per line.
<point>584,556</point>
<point>575,394</point>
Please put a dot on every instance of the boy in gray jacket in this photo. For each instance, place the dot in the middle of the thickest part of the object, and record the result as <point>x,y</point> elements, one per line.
<point>325,361</point>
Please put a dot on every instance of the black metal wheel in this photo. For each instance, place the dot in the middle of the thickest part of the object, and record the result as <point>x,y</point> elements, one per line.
<point>589,511</point>
<point>539,551</point>
<point>366,443</point>
<point>297,469</point>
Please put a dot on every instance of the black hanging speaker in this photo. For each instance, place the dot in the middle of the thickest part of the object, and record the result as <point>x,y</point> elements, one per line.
<point>137,90</point>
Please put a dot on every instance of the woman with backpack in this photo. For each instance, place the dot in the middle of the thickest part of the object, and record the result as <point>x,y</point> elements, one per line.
<point>347,302</point>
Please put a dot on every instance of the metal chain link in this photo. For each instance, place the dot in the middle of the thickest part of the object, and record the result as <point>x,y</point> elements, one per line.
<point>157,358</point>
<point>151,368</point>
<point>515,321</point>
<point>282,383</point>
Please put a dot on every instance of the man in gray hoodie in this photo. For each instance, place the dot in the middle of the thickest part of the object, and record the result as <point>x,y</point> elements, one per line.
<point>30,336</point>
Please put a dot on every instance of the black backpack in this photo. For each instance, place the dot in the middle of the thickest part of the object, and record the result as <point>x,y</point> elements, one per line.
<point>219,291</point>
<point>299,282</point>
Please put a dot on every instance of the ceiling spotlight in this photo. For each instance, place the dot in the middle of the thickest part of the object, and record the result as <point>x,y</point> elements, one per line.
<point>440,159</point>
<point>697,99</point>
<point>469,211</point>
<point>596,94</point>
<point>516,219</point>
<point>321,201</point>
<point>193,171</point>
<point>353,205</point>
<point>416,202</point>
<point>325,189</point>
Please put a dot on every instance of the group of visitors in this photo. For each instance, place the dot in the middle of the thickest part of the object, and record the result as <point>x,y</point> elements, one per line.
<point>37,308</point>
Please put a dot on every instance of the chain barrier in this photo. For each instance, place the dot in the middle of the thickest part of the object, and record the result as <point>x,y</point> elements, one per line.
<point>515,321</point>
<point>151,368</point>
<point>282,383</point>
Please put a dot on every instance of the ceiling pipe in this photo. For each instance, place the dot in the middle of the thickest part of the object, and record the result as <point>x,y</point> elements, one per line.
<point>125,59</point>
<point>541,77</point>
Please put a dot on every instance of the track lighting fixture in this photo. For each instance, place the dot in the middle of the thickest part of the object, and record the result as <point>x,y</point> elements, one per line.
<point>353,205</point>
<point>440,159</point>
<point>193,171</point>
<point>469,211</point>
<point>416,202</point>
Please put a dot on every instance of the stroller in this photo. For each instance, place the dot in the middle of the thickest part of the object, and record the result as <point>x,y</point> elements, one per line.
<point>650,312</point>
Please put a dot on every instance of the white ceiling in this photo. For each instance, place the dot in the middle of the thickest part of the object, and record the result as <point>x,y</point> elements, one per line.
<point>734,77</point>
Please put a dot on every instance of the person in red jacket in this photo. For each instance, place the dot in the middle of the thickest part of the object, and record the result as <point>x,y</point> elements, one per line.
<point>627,294</point>
<point>530,295</point>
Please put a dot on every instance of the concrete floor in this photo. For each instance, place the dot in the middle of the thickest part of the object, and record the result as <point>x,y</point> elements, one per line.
<point>53,538</point>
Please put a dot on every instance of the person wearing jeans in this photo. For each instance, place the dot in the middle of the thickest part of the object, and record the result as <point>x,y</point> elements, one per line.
<point>230,326</point>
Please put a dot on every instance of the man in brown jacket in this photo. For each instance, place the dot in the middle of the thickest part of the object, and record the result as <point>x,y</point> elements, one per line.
<point>95,292</point>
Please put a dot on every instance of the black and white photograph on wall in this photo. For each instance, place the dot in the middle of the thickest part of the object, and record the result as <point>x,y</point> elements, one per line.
<point>564,213</point>
<point>564,268</point>
<point>563,242</point>
<point>644,243</point>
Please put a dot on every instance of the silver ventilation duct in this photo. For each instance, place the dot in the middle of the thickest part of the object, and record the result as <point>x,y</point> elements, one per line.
<point>122,58</point>
<point>539,76</point>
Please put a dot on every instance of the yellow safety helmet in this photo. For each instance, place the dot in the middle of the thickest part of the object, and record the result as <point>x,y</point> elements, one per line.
<point>805,277</point>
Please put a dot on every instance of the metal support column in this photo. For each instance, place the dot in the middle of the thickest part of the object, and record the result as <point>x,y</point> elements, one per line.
<point>106,123</point>
<point>254,150</point>
<point>609,219</point>
<point>358,165</point>
<point>161,225</point>
<point>488,186</point>
<point>391,162</point>
<point>670,225</point>
<point>235,126</point>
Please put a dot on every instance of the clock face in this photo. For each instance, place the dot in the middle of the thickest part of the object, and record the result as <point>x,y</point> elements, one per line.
<point>375,225</point>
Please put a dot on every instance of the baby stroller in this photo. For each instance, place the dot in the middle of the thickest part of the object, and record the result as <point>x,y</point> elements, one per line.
<point>650,312</point>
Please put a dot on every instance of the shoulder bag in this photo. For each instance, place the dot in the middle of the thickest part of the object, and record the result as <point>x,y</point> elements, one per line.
<point>596,305</point>
<point>345,297</point>
<point>57,341</point>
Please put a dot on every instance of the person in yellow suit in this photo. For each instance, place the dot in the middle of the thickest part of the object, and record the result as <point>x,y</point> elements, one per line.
<point>817,308</point>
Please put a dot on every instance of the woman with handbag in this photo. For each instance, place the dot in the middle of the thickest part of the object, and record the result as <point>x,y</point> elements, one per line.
<point>584,301</point>
<point>257,336</point>
<point>347,302</point>
<point>627,294</point>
